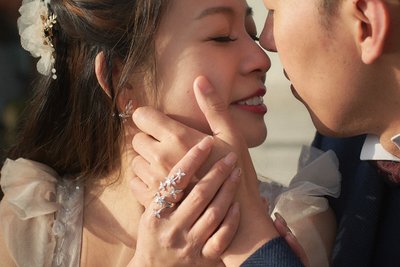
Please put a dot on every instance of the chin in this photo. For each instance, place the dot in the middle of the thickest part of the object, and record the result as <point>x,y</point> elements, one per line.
<point>256,140</point>
<point>337,130</point>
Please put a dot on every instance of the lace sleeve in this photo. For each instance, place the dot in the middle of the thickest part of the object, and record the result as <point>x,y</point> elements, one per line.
<point>41,215</point>
<point>27,211</point>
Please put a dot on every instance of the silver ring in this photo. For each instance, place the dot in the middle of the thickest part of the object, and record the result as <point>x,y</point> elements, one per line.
<point>167,188</point>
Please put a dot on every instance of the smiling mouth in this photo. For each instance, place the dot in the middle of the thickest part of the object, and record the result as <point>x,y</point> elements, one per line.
<point>254,101</point>
<point>254,104</point>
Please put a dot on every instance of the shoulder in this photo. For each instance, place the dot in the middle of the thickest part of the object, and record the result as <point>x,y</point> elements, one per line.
<point>27,212</point>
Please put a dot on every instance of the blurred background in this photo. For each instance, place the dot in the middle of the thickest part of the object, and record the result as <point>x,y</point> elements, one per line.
<point>16,70</point>
<point>289,125</point>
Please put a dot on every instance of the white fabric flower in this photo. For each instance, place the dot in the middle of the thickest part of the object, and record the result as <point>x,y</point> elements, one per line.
<point>31,30</point>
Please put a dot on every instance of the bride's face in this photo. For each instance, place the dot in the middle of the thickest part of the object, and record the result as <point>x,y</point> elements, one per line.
<point>215,39</point>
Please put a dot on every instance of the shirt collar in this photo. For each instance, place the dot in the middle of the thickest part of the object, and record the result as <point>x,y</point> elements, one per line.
<point>373,150</point>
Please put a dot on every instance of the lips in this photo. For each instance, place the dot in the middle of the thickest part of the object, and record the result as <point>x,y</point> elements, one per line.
<point>294,92</point>
<point>253,103</point>
<point>286,75</point>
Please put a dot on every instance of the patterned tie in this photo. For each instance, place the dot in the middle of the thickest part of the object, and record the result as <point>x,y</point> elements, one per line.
<point>389,169</point>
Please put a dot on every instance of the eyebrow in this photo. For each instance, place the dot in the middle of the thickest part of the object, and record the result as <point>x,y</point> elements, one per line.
<point>223,10</point>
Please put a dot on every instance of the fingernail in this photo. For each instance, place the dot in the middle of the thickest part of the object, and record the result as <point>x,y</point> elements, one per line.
<point>203,84</point>
<point>206,143</point>
<point>280,219</point>
<point>290,235</point>
<point>235,175</point>
<point>230,159</point>
<point>235,208</point>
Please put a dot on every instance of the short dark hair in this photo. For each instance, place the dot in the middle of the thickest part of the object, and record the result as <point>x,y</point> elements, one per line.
<point>328,9</point>
<point>330,6</point>
<point>69,124</point>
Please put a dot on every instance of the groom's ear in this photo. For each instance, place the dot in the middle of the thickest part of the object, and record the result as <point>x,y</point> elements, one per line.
<point>372,25</point>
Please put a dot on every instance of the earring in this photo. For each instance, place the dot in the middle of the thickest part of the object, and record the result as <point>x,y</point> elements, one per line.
<point>127,112</point>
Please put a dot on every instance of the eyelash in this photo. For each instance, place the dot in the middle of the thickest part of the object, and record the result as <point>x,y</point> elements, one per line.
<point>224,39</point>
<point>255,38</point>
<point>227,39</point>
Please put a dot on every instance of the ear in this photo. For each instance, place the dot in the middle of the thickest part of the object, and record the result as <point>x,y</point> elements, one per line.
<point>372,29</point>
<point>99,67</point>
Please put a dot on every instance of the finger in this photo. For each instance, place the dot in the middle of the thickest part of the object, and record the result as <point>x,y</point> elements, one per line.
<point>162,128</point>
<point>141,192</point>
<point>215,110</point>
<point>202,194</point>
<point>146,146</point>
<point>171,188</point>
<point>156,153</point>
<point>285,232</point>
<point>184,171</point>
<point>216,210</point>
<point>222,238</point>
<point>150,175</point>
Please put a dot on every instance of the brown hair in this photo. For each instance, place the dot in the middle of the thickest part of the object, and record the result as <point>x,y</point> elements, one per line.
<point>70,124</point>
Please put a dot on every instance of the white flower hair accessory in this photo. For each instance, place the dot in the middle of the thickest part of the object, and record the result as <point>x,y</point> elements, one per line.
<point>35,27</point>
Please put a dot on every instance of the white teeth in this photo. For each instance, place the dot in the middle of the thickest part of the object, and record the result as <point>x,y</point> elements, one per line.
<point>254,101</point>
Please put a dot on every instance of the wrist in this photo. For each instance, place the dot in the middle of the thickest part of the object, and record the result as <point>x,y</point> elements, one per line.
<point>255,230</point>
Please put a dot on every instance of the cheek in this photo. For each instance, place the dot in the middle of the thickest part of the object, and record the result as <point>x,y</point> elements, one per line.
<point>178,101</point>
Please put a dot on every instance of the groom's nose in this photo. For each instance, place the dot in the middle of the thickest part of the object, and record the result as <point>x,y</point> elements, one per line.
<point>267,39</point>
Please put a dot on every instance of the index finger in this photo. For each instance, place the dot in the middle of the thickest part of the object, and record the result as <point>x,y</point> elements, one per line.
<point>161,127</point>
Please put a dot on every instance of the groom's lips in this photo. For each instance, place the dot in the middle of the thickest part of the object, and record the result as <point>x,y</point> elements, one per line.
<point>286,75</point>
<point>294,92</point>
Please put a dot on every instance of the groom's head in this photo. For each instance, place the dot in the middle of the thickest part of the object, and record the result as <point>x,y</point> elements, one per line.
<point>343,58</point>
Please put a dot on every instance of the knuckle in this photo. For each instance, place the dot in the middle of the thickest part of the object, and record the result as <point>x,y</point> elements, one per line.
<point>221,170</point>
<point>169,238</point>
<point>178,137</point>
<point>212,216</point>
<point>163,161</point>
<point>198,195</point>
<point>191,251</point>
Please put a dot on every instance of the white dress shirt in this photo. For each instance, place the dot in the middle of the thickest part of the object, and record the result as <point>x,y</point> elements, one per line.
<point>373,150</point>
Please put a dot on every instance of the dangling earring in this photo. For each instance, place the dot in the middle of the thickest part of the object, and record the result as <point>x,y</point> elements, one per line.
<point>127,112</point>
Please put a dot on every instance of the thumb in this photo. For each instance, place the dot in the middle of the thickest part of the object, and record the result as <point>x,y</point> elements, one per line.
<point>215,110</point>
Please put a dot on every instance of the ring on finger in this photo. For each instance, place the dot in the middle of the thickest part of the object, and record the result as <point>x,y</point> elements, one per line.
<point>167,188</point>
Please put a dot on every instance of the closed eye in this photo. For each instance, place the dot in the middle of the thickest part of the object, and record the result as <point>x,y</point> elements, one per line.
<point>223,39</point>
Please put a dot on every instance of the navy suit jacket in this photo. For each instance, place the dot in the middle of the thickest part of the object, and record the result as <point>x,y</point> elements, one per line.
<point>367,211</point>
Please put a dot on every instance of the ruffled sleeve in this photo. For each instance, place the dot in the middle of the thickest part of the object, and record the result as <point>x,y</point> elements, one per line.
<point>318,176</point>
<point>27,211</point>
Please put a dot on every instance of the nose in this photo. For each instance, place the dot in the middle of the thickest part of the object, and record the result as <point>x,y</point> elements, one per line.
<point>255,60</point>
<point>267,39</point>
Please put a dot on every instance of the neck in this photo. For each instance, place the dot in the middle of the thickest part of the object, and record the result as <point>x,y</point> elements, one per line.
<point>388,120</point>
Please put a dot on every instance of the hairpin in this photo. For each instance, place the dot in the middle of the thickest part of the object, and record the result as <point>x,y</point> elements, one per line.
<point>36,28</point>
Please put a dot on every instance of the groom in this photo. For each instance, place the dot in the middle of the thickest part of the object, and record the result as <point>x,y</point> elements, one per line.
<point>343,59</point>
